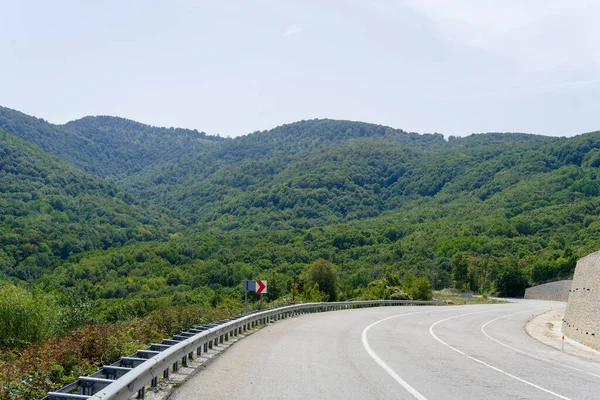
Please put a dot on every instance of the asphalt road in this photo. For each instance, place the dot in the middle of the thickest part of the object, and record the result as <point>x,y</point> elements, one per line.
<point>463,352</point>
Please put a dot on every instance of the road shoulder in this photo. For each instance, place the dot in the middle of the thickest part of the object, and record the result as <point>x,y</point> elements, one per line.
<point>546,328</point>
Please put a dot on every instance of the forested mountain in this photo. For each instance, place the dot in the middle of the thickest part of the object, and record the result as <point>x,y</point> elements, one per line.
<point>386,212</point>
<point>328,180</point>
<point>106,146</point>
<point>369,198</point>
<point>50,210</point>
<point>200,186</point>
<point>314,173</point>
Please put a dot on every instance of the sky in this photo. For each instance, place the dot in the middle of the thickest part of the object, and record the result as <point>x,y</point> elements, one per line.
<point>231,67</point>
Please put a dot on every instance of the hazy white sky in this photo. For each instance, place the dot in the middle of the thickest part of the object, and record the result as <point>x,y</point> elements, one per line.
<point>230,67</point>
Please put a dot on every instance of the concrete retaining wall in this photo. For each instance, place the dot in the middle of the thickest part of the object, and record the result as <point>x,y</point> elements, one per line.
<point>555,291</point>
<point>582,316</point>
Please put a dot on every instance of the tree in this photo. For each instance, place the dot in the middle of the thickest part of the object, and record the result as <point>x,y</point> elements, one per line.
<point>511,282</point>
<point>420,289</point>
<point>324,274</point>
<point>460,270</point>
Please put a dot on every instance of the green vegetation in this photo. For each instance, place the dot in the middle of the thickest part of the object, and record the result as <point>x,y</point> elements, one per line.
<point>322,273</point>
<point>26,317</point>
<point>452,297</point>
<point>51,211</point>
<point>106,146</point>
<point>31,372</point>
<point>354,210</point>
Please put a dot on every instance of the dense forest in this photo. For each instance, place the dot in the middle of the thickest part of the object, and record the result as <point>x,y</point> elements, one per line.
<point>104,220</point>
<point>106,146</point>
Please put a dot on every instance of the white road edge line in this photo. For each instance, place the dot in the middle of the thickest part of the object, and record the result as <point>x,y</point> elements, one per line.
<point>526,353</point>
<point>382,363</point>
<point>484,363</point>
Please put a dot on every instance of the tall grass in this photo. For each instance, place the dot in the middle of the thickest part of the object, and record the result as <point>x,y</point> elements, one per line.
<point>25,316</point>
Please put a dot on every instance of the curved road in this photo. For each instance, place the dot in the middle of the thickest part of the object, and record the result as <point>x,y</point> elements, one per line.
<point>466,352</point>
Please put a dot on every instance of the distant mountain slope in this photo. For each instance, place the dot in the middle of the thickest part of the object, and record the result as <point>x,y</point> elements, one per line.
<point>472,212</point>
<point>106,146</point>
<point>196,184</point>
<point>300,175</point>
<point>318,172</point>
<point>50,211</point>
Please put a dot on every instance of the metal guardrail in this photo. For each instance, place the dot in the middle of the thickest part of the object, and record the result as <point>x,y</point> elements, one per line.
<point>131,375</point>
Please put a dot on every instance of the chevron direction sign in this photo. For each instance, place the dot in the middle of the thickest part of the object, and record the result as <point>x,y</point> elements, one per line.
<point>257,286</point>
<point>261,287</point>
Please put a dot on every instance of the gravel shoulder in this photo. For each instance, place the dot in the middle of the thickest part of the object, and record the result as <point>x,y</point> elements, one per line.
<point>546,328</point>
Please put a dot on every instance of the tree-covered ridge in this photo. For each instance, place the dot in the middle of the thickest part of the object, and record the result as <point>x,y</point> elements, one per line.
<point>247,159</point>
<point>527,211</point>
<point>353,210</point>
<point>281,179</point>
<point>50,210</point>
<point>106,146</point>
<point>317,134</point>
<point>370,199</point>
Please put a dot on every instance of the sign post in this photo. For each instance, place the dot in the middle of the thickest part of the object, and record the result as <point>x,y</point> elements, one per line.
<point>257,286</point>
<point>261,287</point>
<point>248,286</point>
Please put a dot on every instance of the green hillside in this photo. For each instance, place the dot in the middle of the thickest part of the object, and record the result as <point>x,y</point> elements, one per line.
<point>201,186</point>
<point>473,213</point>
<point>106,146</point>
<point>352,210</point>
<point>50,211</point>
<point>314,173</point>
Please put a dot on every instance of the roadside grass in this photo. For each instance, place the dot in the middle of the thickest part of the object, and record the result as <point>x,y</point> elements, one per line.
<point>456,299</point>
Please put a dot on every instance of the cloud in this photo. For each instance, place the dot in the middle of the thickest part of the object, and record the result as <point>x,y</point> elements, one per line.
<point>575,83</point>
<point>547,31</point>
<point>295,29</point>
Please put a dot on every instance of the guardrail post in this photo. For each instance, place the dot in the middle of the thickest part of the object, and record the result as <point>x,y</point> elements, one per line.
<point>206,347</point>
<point>184,361</point>
<point>154,382</point>
<point>166,374</point>
<point>199,351</point>
<point>176,366</point>
<point>141,393</point>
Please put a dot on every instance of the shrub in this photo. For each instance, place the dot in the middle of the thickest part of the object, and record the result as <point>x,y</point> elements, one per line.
<point>323,273</point>
<point>26,316</point>
<point>511,282</point>
<point>420,289</point>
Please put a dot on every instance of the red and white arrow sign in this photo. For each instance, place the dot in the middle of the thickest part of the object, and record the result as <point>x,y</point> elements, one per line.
<point>261,287</point>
